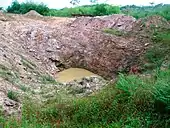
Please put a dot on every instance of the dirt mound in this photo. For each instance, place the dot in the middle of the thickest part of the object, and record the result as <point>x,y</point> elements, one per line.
<point>146,24</point>
<point>157,21</point>
<point>120,22</point>
<point>33,13</point>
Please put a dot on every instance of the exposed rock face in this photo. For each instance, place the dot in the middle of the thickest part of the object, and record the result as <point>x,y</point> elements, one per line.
<point>82,46</point>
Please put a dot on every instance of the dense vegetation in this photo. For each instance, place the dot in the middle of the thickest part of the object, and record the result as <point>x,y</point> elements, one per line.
<point>93,10</point>
<point>22,8</point>
<point>132,103</point>
<point>143,11</point>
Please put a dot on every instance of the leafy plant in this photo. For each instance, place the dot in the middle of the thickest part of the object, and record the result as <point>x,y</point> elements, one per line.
<point>12,95</point>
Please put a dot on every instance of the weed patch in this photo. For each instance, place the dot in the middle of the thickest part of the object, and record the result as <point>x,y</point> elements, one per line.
<point>7,74</point>
<point>131,102</point>
<point>28,63</point>
<point>13,95</point>
<point>47,79</point>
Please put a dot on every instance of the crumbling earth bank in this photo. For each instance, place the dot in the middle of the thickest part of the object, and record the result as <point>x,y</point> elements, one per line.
<point>78,45</point>
<point>33,46</point>
<point>82,42</point>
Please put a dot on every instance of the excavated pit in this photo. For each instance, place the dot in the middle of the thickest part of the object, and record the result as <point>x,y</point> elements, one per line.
<point>33,51</point>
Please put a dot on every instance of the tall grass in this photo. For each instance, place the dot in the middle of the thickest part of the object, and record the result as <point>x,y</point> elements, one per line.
<point>132,102</point>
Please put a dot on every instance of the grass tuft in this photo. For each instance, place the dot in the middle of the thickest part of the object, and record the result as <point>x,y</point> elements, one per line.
<point>13,95</point>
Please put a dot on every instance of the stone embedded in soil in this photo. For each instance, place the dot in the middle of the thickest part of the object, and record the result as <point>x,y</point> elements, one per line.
<point>86,85</point>
<point>11,108</point>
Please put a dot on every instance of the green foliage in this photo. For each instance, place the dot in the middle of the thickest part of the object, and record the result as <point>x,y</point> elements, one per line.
<point>105,9</point>
<point>159,52</point>
<point>47,79</point>
<point>22,8</point>
<point>143,11</point>
<point>12,95</point>
<point>27,63</point>
<point>7,74</point>
<point>14,8</point>
<point>132,102</point>
<point>23,88</point>
<point>93,10</point>
<point>162,93</point>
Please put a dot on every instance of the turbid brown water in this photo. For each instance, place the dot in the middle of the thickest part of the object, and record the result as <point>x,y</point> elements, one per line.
<point>73,74</point>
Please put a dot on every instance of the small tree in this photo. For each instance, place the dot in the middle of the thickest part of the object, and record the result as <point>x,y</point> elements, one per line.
<point>14,8</point>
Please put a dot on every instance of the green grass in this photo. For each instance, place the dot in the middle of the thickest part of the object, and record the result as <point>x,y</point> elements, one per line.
<point>27,63</point>
<point>24,88</point>
<point>131,102</point>
<point>13,95</point>
<point>158,53</point>
<point>47,79</point>
<point>7,74</point>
